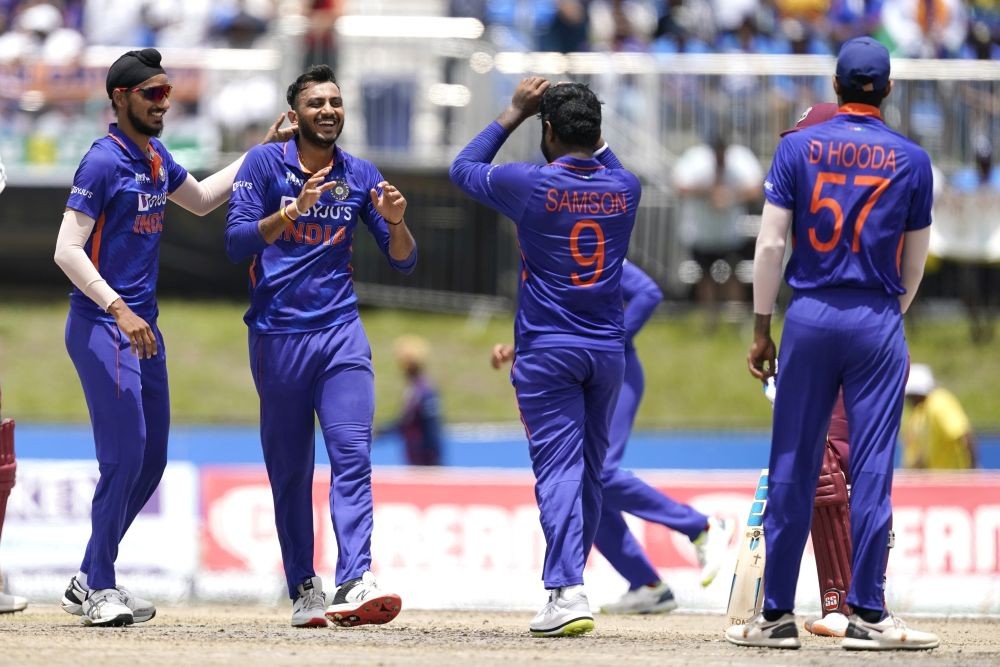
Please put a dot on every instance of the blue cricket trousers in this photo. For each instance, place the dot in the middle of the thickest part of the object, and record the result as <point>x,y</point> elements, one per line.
<point>299,376</point>
<point>129,404</point>
<point>624,492</point>
<point>834,337</point>
<point>566,396</point>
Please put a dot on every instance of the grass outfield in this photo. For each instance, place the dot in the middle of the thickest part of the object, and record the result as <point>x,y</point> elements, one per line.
<point>692,379</point>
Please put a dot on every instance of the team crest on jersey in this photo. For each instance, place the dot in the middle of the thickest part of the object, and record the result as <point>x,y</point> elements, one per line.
<point>340,191</point>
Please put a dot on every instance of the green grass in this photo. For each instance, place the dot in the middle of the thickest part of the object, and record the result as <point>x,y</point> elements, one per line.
<point>692,379</point>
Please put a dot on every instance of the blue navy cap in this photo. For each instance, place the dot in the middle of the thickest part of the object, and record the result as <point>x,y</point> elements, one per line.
<point>863,65</point>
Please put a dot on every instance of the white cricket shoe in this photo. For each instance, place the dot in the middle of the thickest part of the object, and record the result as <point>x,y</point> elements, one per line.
<point>105,607</point>
<point>361,602</point>
<point>889,634</point>
<point>567,613</point>
<point>309,608</point>
<point>833,624</point>
<point>758,631</point>
<point>76,593</point>
<point>712,546</point>
<point>655,599</point>
<point>11,603</point>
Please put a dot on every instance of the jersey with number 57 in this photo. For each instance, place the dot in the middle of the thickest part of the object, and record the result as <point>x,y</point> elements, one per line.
<point>574,217</point>
<point>854,187</point>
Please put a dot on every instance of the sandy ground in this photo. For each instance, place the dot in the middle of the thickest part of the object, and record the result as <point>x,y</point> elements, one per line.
<point>258,636</point>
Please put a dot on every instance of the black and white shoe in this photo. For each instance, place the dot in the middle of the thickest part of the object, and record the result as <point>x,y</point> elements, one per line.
<point>758,631</point>
<point>106,608</point>
<point>361,602</point>
<point>889,634</point>
<point>76,593</point>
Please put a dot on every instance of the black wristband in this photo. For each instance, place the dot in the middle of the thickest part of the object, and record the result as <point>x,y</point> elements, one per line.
<point>393,223</point>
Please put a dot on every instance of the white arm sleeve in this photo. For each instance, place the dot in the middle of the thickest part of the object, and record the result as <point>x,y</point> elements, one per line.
<point>769,254</point>
<point>72,259</point>
<point>202,197</point>
<point>911,266</point>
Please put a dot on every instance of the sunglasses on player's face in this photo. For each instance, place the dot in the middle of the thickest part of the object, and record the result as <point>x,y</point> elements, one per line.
<point>152,93</point>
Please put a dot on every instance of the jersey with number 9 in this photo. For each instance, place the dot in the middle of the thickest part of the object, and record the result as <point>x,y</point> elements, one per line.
<point>854,187</point>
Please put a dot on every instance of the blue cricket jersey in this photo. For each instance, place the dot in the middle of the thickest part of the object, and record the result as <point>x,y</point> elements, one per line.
<point>302,281</point>
<point>125,191</point>
<point>642,295</point>
<point>574,218</point>
<point>854,187</point>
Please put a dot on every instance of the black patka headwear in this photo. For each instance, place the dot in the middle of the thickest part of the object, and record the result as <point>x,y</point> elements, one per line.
<point>133,68</point>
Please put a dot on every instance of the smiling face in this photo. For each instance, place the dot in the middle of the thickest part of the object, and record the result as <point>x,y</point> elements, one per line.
<point>319,111</point>
<point>143,114</point>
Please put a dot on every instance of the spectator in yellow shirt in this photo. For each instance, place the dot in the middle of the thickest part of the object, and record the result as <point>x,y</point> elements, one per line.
<point>936,432</point>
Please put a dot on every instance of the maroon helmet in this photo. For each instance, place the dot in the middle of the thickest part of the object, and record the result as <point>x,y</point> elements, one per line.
<point>814,115</point>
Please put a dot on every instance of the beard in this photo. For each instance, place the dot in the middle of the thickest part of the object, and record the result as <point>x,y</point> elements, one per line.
<point>310,135</point>
<point>141,125</point>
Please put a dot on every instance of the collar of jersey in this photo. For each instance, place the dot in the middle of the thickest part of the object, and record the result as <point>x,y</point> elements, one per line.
<point>290,155</point>
<point>127,144</point>
<point>856,109</point>
<point>579,163</point>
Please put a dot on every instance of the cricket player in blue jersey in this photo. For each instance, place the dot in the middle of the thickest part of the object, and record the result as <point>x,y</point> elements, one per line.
<point>108,246</point>
<point>857,198</point>
<point>293,213</point>
<point>574,217</point>
<point>625,492</point>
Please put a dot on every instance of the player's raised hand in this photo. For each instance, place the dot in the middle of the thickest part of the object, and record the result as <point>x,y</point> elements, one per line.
<point>501,354</point>
<point>390,202</point>
<point>140,335</point>
<point>528,95</point>
<point>278,133</point>
<point>312,189</point>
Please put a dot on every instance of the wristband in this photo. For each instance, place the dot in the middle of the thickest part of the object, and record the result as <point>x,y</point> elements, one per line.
<point>393,224</point>
<point>284,215</point>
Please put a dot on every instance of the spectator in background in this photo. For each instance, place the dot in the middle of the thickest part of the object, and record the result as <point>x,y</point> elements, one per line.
<point>321,38</point>
<point>925,28</point>
<point>238,25</point>
<point>936,432</point>
<point>568,30</point>
<point>419,423</point>
<point>715,182</point>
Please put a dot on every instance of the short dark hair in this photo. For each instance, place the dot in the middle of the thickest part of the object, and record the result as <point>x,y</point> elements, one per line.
<point>872,98</point>
<point>574,112</point>
<point>315,74</point>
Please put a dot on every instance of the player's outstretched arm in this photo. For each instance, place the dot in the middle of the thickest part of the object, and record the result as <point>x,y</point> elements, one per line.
<point>203,197</point>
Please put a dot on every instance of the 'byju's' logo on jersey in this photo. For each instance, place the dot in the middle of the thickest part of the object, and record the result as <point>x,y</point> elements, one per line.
<point>141,178</point>
<point>324,211</point>
<point>81,192</point>
<point>148,202</point>
<point>242,184</point>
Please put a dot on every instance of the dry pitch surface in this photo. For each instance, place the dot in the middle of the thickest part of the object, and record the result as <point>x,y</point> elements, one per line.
<point>258,636</point>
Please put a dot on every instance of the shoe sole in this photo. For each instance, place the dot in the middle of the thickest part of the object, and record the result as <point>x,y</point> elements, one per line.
<point>822,631</point>
<point>659,609</point>
<point>785,643</point>
<point>77,610</point>
<point>116,622</point>
<point>377,611</point>
<point>314,622</point>
<point>851,644</point>
<point>573,628</point>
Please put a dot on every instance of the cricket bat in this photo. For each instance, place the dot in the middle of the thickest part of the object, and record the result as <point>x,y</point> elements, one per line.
<point>746,595</point>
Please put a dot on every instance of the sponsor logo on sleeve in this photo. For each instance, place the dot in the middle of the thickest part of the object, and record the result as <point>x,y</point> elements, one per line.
<point>247,185</point>
<point>81,192</point>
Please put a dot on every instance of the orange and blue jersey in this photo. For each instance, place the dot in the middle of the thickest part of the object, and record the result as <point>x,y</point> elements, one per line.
<point>302,282</point>
<point>854,187</point>
<point>574,218</point>
<point>125,191</point>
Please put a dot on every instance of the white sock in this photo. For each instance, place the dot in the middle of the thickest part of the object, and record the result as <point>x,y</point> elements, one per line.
<point>81,578</point>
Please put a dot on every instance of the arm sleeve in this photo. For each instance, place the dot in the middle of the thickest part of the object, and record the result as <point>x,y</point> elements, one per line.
<point>911,264</point>
<point>202,197</point>
<point>379,228</point>
<point>923,193</point>
<point>642,296</point>
<point>74,231</point>
<point>769,253</point>
<point>779,185</point>
<point>502,187</point>
<point>247,209</point>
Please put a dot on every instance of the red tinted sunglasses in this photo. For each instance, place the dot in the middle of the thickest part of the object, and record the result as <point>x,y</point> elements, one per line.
<point>152,93</point>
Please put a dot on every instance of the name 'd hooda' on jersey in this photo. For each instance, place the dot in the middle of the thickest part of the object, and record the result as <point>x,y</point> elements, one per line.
<point>314,233</point>
<point>147,221</point>
<point>848,155</point>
